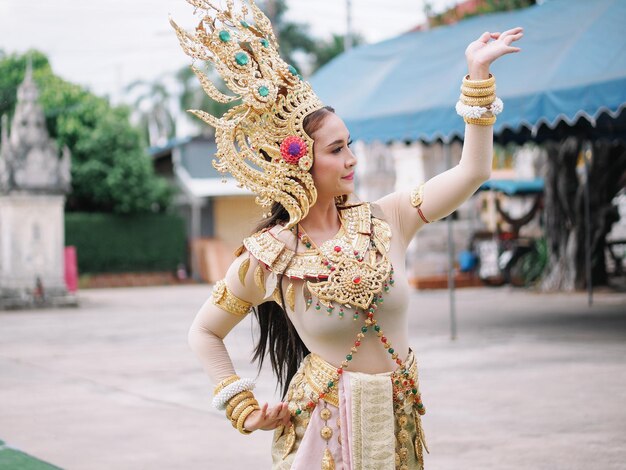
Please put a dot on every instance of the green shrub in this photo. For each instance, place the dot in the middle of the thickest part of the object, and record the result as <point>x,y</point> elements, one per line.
<point>108,243</point>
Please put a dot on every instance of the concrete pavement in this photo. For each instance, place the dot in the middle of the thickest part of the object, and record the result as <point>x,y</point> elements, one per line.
<point>534,381</point>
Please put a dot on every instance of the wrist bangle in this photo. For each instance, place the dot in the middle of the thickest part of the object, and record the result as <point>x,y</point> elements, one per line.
<point>479,83</point>
<point>234,401</point>
<point>227,381</point>
<point>481,121</point>
<point>477,101</point>
<point>478,92</point>
<point>241,385</point>
<point>241,407</point>
<point>494,108</point>
<point>242,419</point>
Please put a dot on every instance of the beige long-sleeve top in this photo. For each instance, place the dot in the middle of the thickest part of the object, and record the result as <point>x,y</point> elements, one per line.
<point>331,337</point>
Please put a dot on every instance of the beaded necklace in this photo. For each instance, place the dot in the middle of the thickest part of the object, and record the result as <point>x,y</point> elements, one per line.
<point>403,384</point>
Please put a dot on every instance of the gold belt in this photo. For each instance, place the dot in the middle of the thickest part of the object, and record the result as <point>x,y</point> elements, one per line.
<point>317,372</point>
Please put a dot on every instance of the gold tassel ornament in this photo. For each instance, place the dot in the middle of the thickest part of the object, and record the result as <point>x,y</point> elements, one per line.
<point>243,270</point>
<point>290,296</point>
<point>290,440</point>
<point>328,463</point>
<point>259,277</point>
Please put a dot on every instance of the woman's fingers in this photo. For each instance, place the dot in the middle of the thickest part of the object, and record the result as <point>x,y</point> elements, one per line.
<point>514,37</point>
<point>484,37</point>
<point>285,415</point>
<point>269,418</point>
<point>512,31</point>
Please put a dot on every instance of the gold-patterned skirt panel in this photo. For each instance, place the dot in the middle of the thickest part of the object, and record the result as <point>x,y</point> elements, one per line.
<point>313,373</point>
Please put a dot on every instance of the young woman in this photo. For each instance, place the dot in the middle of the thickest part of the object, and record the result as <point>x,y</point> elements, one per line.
<point>323,274</point>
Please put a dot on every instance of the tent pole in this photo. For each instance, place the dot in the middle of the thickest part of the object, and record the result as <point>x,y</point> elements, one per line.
<point>451,286</point>
<point>587,156</point>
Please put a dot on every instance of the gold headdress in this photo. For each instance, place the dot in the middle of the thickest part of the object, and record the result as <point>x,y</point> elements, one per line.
<point>274,102</point>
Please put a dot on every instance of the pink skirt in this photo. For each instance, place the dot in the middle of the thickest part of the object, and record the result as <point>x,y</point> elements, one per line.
<point>357,426</point>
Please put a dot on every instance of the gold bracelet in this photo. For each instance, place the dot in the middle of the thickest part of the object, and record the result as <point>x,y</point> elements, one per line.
<point>226,300</point>
<point>241,407</point>
<point>485,121</point>
<point>234,401</point>
<point>224,383</point>
<point>479,83</point>
<point>478,92</point>
<point>477,101</point>
<point>242,418</point>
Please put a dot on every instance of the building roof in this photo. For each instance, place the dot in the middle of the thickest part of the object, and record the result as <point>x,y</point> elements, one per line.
<point>191,158</point>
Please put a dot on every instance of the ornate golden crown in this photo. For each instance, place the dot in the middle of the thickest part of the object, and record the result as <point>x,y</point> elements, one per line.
<point>260,141</point>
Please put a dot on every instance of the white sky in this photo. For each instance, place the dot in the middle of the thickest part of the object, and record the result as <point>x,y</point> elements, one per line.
<point>108,44</point>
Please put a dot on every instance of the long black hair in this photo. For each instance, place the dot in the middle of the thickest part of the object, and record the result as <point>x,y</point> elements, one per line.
<point>278,338</point>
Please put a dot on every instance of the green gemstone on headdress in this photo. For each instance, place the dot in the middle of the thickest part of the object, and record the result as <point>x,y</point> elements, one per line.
<point>241,58</point>
<point>245,24</point>
<point>224,36</point>
<point>264,91</point>
<point>293,70</point>
<point>265,42</point>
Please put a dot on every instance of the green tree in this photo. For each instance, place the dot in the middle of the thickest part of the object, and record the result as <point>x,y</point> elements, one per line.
<point>292,37</point>
<point>325,51</point>
<point>111,171</point>
<point>453,14</point>
<point>192,96</point>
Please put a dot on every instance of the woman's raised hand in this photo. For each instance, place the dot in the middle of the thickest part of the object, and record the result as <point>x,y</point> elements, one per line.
<point>268,418</point>
<point>489,47</point>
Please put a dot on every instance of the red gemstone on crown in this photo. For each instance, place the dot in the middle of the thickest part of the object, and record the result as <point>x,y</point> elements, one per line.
<point>337,249</point>
<point>356,279</point>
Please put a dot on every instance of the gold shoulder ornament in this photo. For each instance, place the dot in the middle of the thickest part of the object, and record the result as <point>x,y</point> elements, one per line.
<point>260,140</point>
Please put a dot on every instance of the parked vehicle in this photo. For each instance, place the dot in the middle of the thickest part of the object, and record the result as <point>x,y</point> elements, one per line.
<point>506,259</point>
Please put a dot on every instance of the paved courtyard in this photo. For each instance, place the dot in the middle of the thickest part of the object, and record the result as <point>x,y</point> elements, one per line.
<point>532,382</point>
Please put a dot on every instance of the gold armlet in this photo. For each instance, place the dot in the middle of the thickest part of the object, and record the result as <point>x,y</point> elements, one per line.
<point>226,300</point>
<point>417,196</point>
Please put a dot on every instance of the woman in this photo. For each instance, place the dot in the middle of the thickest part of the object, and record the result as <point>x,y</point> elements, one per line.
<point>324,275</point>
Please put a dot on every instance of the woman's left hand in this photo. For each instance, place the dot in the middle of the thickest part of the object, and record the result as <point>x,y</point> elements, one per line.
<point>489,47</point>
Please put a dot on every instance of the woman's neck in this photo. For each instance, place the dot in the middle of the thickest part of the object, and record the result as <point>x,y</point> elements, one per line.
<point>322,219</point>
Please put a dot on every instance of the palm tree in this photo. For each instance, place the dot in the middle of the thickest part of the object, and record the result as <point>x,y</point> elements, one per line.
<point>153,107</point>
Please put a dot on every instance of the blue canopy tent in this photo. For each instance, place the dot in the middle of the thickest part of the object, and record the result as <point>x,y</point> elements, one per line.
<point>514,187</point>
<point>570,74</point>
<point>570,78</point>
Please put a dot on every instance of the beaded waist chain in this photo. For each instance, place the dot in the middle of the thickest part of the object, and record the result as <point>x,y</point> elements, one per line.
<point>315,373</point>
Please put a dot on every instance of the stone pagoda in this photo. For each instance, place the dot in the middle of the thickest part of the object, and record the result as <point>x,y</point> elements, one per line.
<point>34,179</point>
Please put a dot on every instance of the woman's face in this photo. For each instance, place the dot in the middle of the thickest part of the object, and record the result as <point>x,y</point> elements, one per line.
<point>333,163</point>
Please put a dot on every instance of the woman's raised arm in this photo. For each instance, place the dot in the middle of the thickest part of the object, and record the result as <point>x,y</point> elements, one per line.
<point>444,193</point>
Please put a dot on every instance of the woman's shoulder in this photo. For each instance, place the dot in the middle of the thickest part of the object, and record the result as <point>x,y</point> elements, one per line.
<point>270,245</point>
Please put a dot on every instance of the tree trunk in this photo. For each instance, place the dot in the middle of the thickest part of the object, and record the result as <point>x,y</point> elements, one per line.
<point>565,211</point>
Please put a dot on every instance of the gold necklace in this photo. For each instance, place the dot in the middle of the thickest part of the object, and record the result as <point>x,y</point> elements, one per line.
<point>352,280</point>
